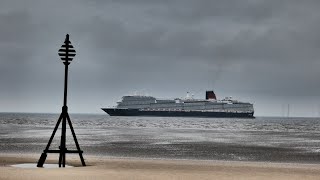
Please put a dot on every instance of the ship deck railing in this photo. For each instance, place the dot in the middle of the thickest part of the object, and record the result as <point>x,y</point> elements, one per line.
<point>184,110</point>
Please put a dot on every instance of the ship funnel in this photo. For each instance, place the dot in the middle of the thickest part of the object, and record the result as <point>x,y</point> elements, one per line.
<point>210,95</point>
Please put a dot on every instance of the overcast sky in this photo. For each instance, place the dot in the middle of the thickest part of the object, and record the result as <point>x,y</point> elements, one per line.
<point>264,52</point>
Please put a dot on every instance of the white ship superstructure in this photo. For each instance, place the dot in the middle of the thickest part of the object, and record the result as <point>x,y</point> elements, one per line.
<point>148,104</point>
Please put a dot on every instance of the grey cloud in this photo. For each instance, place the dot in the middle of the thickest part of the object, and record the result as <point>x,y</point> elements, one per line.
<point>254,49</point>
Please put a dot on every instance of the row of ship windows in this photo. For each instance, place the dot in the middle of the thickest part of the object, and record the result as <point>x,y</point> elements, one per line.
<point>225,110</point>
<point>167,103</point>
<point>137,103</point>
<point>137,99</point>
<point>187,105</point>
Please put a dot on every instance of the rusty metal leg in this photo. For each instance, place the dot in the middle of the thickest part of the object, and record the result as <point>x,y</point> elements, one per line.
<point>64,159</point>
<point>76,141</point>
<point>60,157</point>
<point>42,159</point>
<point>43,156</point>
<point>63,140</point>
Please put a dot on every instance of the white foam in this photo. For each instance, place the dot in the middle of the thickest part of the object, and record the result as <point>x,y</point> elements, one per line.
<point>34,165</point>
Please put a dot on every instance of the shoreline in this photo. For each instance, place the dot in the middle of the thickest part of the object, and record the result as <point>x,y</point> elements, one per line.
<point>74,157</point>
<point>136,168</point>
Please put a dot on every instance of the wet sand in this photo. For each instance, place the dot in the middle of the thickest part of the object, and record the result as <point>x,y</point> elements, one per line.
<point>130,168</point>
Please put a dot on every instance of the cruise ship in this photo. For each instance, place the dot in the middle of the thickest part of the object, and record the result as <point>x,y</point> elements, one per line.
<point>139,105</point>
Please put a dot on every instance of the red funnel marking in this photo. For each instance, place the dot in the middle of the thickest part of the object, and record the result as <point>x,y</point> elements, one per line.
<point>210,95</point>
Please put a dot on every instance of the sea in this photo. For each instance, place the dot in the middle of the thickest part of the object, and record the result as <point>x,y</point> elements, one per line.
<point>267,139</point>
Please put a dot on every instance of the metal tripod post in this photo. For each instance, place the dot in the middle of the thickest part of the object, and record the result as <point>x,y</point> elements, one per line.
<point>66,53</point>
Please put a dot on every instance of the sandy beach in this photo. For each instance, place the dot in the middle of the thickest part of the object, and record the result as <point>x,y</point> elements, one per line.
<point>164,148</point>
<point>111,168</point>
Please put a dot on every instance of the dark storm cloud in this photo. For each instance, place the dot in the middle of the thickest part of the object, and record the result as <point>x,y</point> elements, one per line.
<point>253,49</point>
<point>258,34</point>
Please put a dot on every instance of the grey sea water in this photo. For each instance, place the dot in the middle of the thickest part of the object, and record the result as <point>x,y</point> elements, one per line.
<point>260,139</point>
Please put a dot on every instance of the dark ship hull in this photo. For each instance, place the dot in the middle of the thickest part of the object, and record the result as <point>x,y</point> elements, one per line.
<point>166,113</point>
